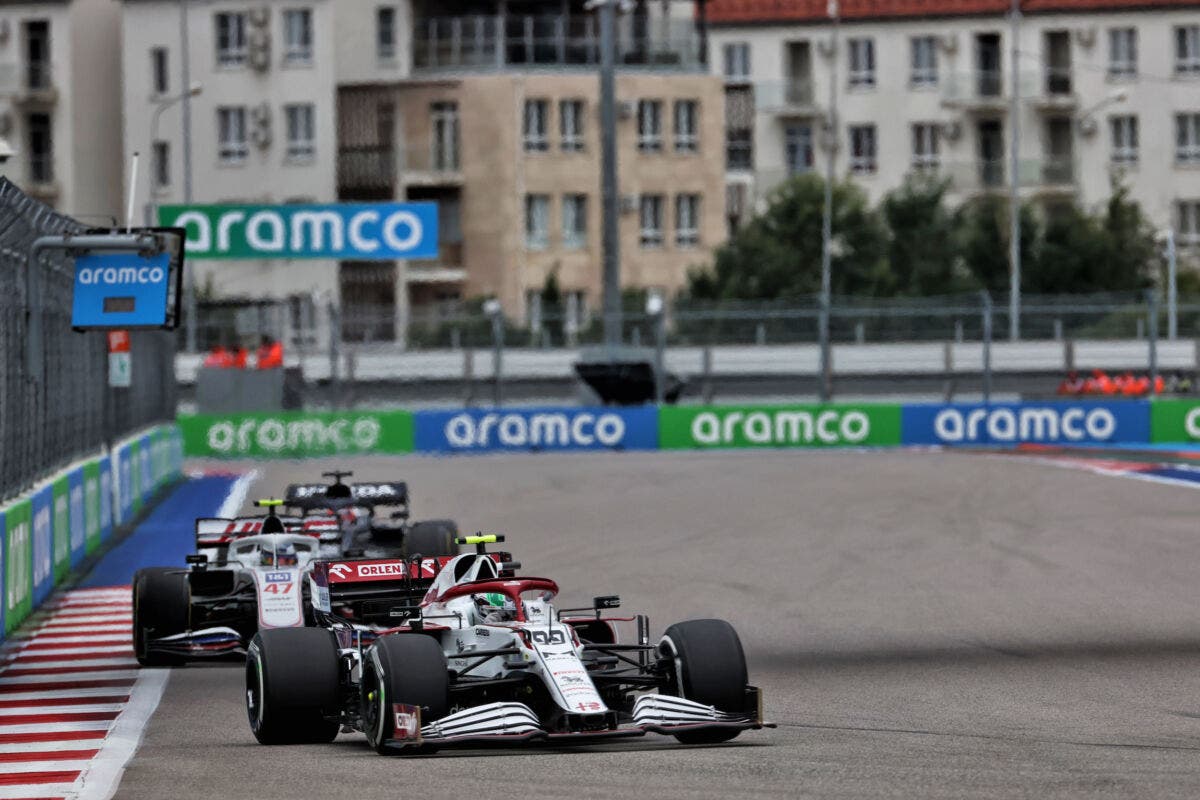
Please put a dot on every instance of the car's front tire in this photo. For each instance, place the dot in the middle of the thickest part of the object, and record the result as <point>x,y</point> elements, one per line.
<point>709,667</point>
<point>407,668</point>
<point>162,601</point>
<point>292,687</point>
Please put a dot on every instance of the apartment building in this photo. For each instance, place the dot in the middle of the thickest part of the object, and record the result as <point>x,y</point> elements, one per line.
<point>1106,89</point>
<point>263,121</point>
<point>58,76</point>
<point>495,116</point>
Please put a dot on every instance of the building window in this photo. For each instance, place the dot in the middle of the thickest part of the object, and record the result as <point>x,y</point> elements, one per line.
<point>444,117</point>
<point>1189,221</point>
<point>162,165</point>
<point>687,220</point>
<point>649,126</point>
<point>1124,139</point>
<point>537,221</point>
<point>231,40</point>
<point>686,140</point>
<point>385,33</point>
<point>41,149</point>
<point>924,61</point>
<point>798,148</point>
<point>739,149</point>
<point>862,149</point>
<point>1187,138</point>
<point>160,76</point>
<point>650,216</point>
<point>231,134</point>
<point>737,61</point>
<point>862,63</point>
<point>1187,50</point>
<point>925,145</point>
<point>301,131</point>
<point>574,221</point>
<point>1122,52</point>
<point>297,36</point>
<point>570,125</point>
<point>537,113</point>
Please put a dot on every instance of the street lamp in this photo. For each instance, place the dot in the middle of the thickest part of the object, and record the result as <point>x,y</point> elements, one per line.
<point>161,106</point>
<point>1115,96</point>
<point>655,309</point>
<point>495,313</point>
<point>833,10</point>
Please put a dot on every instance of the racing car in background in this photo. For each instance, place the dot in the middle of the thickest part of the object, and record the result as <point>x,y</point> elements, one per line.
<point>246,575</point>
<point>422,653</point>
<point>372,518</point>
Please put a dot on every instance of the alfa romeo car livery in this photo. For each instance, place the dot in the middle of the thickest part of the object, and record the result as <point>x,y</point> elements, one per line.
<point>422,653</point>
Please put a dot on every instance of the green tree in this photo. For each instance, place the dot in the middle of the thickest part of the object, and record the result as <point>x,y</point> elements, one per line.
<point>777,255</point>
<point>982,241</point>
<point>553,312</point>
<point>921,247</point>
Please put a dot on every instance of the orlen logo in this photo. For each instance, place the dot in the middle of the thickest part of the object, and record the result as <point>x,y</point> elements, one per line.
<point>120,275</point>
<point>782,427</point>
<point>536,430</point>
<point>1031,424</point>
<point>380,570</point>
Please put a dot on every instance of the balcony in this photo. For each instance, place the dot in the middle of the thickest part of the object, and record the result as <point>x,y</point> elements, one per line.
<point>375,171</point>
<point>40,181</point>
<point>1057,91</point>
<point>1053,175</point>
<point>446,268</point>
<point>982,91</point>
<point>790,98</point>
<point>36,87</point>
<point>494,42</point>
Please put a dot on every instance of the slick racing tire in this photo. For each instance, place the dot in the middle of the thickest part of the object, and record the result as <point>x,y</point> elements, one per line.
<point>407,668</point>
<point>709,668</point>
<point>292,686</point>
<point>434,537</point>
<point>162,601</point>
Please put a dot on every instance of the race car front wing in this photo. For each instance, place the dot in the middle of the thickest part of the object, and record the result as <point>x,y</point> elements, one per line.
<point>199,644</point>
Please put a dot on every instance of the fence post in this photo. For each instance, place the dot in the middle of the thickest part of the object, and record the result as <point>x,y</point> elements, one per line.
<point>706,368</point>
<point>660,346</point>
<point>468,376</point>
<point>497,358</point>
<point>1172,288</point>
<point>987,345</point>
<point>335,335</point>
<point>1152,335</point>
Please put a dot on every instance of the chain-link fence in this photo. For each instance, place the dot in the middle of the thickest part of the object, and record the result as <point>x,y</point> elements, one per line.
<point>71,411</point>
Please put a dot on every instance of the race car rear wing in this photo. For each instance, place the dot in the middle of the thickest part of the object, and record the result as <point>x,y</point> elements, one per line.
<point>371,494</point>
<point>220,531</point>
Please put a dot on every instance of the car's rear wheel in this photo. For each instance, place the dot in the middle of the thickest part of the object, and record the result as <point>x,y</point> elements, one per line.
<point>408,668</point>
<point>432,537</point>
<point>162,602</point>
<point>709,667</point>
<point>292,689</point>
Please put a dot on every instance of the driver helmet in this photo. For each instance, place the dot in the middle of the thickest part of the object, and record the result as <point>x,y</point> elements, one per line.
<point>283,555</point>
<point>495,607</point>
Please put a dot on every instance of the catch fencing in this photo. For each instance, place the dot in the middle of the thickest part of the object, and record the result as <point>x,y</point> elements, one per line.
<point>56,406</point>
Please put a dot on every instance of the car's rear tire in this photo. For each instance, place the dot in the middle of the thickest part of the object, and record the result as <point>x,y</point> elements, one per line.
<point>709,668</point>
<point>162,601</point>
<point>407,668</point>
<point>432,537</point>
<point>292,688</point>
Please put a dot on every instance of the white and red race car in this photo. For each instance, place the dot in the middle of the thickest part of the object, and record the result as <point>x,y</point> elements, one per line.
<point>424,653</point>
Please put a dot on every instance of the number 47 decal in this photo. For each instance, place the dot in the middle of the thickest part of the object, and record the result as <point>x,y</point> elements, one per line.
<point>277,588</point>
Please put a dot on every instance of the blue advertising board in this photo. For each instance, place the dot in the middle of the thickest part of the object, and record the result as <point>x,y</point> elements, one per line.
<point>535,429</point>
<point>123,478</point>
<point>78,515</point>
<point>123,290</point>
<point>41,508</point>
<point>146,472</point>
<point>106,498</point>
<point>1055,422</point>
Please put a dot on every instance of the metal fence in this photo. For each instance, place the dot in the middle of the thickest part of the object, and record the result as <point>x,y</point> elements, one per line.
<point>70,411</point>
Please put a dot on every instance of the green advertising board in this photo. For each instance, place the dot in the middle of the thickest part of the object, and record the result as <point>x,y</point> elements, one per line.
<point>61,527</point>
<point>1175,421</point>
<point>296,434</point>
<point>833,425</point>
<point>91,505</point>
<point>135,474</point>
<point>18,567</point>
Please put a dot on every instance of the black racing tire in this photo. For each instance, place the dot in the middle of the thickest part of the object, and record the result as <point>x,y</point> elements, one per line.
<point>709,668</point>
<point>432,537</point>
<point>162,604</point>
<point>292,686</point>
<point>405,668</point>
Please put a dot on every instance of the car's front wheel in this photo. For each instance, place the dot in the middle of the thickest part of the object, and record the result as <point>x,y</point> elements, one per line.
<point>292,687</point>
<point>408,668</point>
<point>162,602</point>
<point>708,666</point>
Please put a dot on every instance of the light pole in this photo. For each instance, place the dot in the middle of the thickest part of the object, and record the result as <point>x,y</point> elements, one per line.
<point>189,289</point>
<point>1014,178</point>
<point>163,105</point>
<point>831,143</point>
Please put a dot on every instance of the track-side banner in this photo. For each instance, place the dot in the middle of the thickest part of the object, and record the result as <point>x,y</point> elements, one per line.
<point>18,564</point>
<point>684,427</point>
<point>296,434</point>
<point>477,430</point>
<point>1175,421</point>
<point>1026,423</point>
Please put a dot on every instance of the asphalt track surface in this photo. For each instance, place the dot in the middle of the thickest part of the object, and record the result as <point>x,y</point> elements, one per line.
<point>924,625</point>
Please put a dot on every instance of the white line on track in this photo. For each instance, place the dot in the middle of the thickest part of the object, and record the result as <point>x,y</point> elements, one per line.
<point>43,765</point>
<point>237,494</point>
<point>83,675</point>
<point>80,708</point>
<point>88,663</point>
<point>39,790</point>
<point>101,779</point>
<point>45,747</point>
<point>85,725</point>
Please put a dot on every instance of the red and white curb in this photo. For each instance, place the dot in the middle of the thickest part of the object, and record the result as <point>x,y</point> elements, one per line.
<point>73,703</point>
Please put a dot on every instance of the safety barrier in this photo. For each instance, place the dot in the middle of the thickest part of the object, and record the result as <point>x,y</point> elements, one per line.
<point>52,528</point>
<point>556,428</point>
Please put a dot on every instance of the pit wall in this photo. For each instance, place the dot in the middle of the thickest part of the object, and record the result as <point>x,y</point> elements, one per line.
<point>551,428</point>
<point>50,529</point>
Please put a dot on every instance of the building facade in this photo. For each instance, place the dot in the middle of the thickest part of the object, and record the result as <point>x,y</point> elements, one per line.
<point>1106,90</point>
<point>59,74</point>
